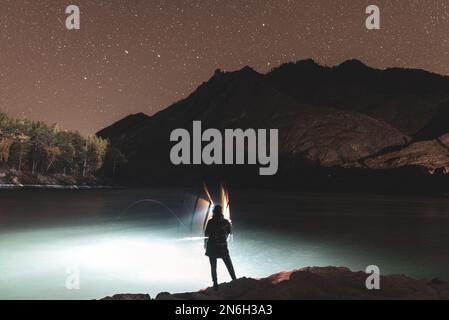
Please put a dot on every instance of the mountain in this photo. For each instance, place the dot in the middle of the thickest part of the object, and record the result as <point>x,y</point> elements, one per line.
<point>407,99</point>
<point>331,121</point>
<point>129,126</point>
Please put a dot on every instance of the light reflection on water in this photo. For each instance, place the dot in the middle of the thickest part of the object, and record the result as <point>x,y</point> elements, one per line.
<point>46,232</point>
<point>114,260</point>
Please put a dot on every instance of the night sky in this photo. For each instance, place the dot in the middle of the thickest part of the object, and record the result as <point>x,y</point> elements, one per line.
<point>141,55</point>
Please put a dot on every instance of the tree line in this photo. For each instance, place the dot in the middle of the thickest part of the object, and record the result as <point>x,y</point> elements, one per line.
<point>39,148</point>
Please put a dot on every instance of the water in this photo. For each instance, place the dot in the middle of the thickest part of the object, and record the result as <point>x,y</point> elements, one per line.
<point>48,238</point>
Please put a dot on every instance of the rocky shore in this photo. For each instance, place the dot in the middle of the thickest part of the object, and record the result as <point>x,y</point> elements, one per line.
<point>11,179</point>
<point>312,283</point>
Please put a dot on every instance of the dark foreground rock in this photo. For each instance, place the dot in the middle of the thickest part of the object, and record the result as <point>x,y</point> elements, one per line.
<point>128,296</point>
<point>316,283</point>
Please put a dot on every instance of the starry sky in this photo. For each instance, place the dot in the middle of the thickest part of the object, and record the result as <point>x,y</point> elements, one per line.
<point>142,55</point>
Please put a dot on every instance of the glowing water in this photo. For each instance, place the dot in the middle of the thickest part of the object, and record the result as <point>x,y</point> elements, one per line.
<point>122,258</point>
<point>44,234</point>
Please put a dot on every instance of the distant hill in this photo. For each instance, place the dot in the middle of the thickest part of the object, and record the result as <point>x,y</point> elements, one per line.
<point>329,119</point>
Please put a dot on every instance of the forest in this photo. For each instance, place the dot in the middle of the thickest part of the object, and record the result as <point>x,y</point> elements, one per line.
<point>41,149</point>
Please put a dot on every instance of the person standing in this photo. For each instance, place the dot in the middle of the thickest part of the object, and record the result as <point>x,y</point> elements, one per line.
<point>216,233</point>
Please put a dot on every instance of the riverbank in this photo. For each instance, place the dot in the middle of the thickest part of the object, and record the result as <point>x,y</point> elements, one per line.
<point>13,179</point>
<point>316,283</point>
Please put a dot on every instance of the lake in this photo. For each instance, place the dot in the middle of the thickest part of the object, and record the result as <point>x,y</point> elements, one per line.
<point>50,237</point>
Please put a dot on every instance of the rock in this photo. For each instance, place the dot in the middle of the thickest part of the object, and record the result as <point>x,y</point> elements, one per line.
<point>166,296</point>
<point>333,138</point>
<point>319,283</point>
<point>432,155</point>
<point>128,297</point>
<point>14,178</point>
<point>315,283</point>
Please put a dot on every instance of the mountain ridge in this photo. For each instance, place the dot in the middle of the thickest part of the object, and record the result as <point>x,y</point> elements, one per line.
<point>326,116</point>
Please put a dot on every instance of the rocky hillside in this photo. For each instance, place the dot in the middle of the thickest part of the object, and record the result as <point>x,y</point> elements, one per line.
<point>431,154</point>
<point>350,116</point>
<point>313,283</point>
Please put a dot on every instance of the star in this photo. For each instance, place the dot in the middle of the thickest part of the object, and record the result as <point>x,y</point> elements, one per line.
<point>141,56</point>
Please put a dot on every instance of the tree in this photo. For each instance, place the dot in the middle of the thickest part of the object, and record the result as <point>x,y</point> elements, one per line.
<point>41,138</point>
<point>114,159</point>
<point>66,159</point>
<point>5,145</point>
<point>19,150</point>
<point>53,153</point>
<point>42,148</point>
<point>96,148</point>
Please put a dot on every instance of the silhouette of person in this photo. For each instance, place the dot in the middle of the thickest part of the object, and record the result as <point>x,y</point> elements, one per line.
<point>217,231</point>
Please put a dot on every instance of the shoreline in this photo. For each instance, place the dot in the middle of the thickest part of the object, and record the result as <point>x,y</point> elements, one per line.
<point>312,283</point>
<point>54,187</point>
